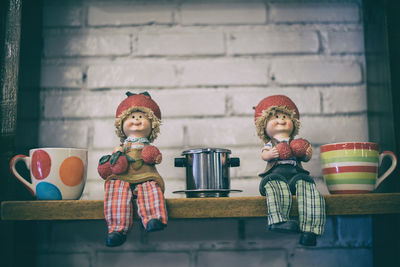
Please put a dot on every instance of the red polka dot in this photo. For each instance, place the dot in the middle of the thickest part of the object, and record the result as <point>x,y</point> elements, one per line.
<point>41,164</point>
<point>71,171</point>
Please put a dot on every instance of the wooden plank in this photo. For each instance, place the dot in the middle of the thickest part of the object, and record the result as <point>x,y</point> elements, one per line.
<point>180,208</point>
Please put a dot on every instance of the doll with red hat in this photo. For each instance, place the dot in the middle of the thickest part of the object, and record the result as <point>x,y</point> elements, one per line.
<point>277,123</point>
<point>130,171</point>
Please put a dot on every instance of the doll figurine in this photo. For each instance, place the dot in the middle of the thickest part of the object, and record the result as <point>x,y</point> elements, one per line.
<point>130,171</point>
<point>277,123</point>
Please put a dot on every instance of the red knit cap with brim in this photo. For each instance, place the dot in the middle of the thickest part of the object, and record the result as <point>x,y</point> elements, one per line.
<point>138,102</point>
<point>268,107</point>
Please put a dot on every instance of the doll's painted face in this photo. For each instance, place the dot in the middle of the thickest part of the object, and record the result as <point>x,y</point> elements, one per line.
<point>137,125</point>
<point>280,125</point>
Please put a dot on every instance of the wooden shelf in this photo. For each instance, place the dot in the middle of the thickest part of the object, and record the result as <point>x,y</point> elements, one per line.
<point>230,207</point>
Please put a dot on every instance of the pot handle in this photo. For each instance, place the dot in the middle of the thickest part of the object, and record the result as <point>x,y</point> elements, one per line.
<point>180,162</point>
<point>234,162</point>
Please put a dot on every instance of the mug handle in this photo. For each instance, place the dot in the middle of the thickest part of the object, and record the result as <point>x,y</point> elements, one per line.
<point>392,156</point>
<point>26,160</point>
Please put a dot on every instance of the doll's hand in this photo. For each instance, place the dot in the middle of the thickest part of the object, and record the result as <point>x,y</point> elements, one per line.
<point>118,148</point>
<point>104,167</point>
<point>151,155</point>
<point>270,154</point>
<point>301,149</point>
<point>308,154</point>
<point>119,163</point>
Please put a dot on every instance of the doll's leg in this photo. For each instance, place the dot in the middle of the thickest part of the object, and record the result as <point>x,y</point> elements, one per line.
<point>279,201</point>
<point>151,205</point>
<point>311,207</point>
<point>118,206</point>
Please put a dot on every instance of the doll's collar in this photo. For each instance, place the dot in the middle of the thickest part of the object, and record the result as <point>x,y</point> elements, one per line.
<point>142,140</point>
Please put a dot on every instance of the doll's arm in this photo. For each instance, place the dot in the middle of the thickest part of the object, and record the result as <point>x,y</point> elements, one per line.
<point>269,154</point>
<point>308,155</point>
<point>151,155</point>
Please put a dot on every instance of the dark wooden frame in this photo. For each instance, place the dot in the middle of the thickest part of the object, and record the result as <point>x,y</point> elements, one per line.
<point>16,234</point>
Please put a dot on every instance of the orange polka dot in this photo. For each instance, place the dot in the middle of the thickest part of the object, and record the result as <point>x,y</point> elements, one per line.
<point>71,171</point>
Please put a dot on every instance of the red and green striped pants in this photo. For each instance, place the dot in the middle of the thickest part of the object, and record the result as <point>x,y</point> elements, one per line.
<point>118,204</point>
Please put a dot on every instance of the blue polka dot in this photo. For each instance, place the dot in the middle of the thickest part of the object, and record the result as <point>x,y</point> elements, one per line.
<point>46,191</point>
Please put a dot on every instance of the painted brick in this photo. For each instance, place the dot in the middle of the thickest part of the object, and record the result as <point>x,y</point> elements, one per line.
<point>63,134</point>
<point>346,42</point>
<point>316,72</point>
<point>218,132</point>
<point>71,234</point>
<point>191,102</point>
<point>355,231</point>
<point>134,74</point>
<point>180,44</point>
<point>256,231</point>
<point>344,99</point>
<point>93,160</point>
<point>94,190</point>
<point>172,185</point>
<point>222,230</point>
<point>224,72</point>
<point>130,14</point>
<point>167,259</point>
<point>242,258</point>
<point>59,16</point>
<point>331,257</point>
<point>314,13</point>
<point>268,42</point>
<point>61,76</point>
<point>166,168</point>
<point>249,187</point>
<point>244,99</point>
<point>78,104</point>
<point>63,259</point>
<point>104,136</point>
<point>333,129</point>
<point>86,44</point>
<point>226,13</point>
<point>314,165</point>
<point>171,134</point>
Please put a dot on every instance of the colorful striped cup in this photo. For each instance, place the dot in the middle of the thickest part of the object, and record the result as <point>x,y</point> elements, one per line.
<point>352,167</point>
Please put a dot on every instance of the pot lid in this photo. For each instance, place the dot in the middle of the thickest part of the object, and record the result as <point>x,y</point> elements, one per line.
<point>205,150</point>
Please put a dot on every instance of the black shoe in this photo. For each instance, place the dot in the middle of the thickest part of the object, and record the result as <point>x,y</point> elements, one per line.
<point>285,227</point>
<point>115,239</point>
<point>154,225</point>
<point>308,239</point>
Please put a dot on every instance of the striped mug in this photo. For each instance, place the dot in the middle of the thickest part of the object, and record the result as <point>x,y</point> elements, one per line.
<point>352,167</point>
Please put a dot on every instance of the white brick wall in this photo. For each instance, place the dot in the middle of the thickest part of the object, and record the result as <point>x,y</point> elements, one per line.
<point>206,65</point>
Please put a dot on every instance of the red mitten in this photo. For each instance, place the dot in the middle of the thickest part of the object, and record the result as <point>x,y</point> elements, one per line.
<point>284,150</point>
<point>151,155</point>
<point>104,167</point>
<point>299,147</point>
<point>120,166</point>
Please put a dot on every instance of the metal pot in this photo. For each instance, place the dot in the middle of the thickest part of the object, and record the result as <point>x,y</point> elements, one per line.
<point>207,172</point>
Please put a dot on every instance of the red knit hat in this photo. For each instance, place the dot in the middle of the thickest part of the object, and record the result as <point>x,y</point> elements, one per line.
<point>138,102</point>
<point>268,107</point>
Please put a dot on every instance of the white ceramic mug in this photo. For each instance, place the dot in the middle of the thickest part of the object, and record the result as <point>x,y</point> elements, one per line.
<point>56,173</point>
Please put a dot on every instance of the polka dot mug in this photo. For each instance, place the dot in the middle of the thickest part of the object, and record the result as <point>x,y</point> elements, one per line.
<point>56,173</point>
